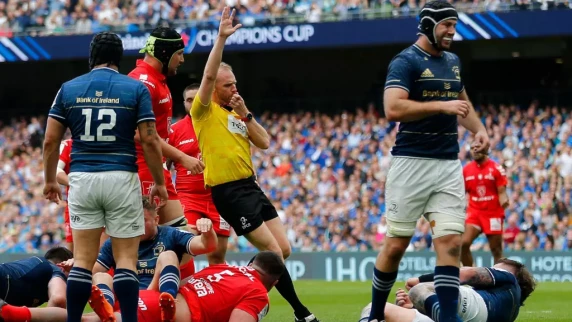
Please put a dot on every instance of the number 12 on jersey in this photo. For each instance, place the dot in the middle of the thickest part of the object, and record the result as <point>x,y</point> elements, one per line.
<point>101,126</point>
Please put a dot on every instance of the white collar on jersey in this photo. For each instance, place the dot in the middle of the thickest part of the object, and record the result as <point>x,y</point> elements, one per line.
<point>98,68</point>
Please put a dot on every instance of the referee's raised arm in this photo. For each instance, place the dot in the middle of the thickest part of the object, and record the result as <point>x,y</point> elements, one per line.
<point>206,89</point>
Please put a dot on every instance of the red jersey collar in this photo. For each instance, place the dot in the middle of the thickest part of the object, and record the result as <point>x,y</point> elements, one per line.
<point>484,164</point>
<point>151,70</point>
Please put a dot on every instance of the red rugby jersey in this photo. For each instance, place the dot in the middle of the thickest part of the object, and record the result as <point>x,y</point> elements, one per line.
<point>481,183</point>
<point>183,138</point>
<point>160,98</point>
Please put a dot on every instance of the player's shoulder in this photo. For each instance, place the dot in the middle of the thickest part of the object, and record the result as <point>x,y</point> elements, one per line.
<point>499,273</point>
<point>142,75</point>
<point>128,80</point>
<point>469,166</point>
<point>178,125</point>
<point>451,57</point>
<point>407,55</point>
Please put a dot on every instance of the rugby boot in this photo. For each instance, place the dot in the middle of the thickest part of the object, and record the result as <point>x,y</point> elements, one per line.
<point>168,307</point>
<point>310,318</point>
<point>100,306</point>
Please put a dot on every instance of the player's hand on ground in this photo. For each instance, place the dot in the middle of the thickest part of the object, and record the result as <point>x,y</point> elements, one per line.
<point>204,225</point>
<point>53,192</point>
<point>458,107</point>
<point>159,196</point>
<point>402,299</point>
<point>482,142</point>
<point>411,282</point>
<point>225,28</point>
<point>194,165</point>
<point>238,105</point>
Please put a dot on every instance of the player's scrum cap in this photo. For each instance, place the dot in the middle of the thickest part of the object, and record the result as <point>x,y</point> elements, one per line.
<point>105,48</point>
<point>163,44</point>
<point>432,14</point>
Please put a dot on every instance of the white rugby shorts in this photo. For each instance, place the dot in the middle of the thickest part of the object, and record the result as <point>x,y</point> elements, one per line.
<point>472,307</point>
<point>432,188</point>
<point>110,199</point>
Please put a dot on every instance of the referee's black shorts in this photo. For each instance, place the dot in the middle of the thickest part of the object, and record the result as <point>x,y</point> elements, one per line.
<point>243,205</point>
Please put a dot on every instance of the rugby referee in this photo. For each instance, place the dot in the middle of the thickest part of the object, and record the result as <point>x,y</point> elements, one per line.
<point>224,129</point>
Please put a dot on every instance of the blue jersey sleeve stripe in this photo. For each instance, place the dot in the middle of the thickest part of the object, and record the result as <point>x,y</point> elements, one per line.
<point>462,89</point>
<point>103,264</point>
<point>492,275</point>
<point>189,246</point>
<point>146,119</point>
<point>397,86</point>
<point>56,116</point>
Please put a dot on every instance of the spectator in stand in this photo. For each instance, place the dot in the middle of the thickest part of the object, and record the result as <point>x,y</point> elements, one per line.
<point>325,176</point>
<point>63,17</point>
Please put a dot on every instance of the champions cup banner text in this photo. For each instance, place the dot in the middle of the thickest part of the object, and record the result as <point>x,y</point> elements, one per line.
<point>552,266</point>
<point>295,36</point>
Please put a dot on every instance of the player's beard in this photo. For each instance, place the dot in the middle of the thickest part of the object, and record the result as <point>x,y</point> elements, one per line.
<point>444,42</point>
<point>479,157</point>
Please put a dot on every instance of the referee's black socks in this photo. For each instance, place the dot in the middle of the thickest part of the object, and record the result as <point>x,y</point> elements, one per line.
<point>285,287</point>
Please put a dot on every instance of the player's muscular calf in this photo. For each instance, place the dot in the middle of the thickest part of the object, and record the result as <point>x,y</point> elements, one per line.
<point>448,249</point>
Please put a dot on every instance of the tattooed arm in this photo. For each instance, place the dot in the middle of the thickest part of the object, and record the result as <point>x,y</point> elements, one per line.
<point>419,294</point>
<point>477,277</point>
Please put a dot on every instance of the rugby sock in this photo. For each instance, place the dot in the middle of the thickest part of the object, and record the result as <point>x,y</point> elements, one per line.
<point>78,291</point>
<point>447,289</point>
<point>126,286</point>
<point>380,288</point>
<point>107,293</point>
<point>285,287</point>
<point>12,313</point>
<point>432,309</point>
<point>169,280</point>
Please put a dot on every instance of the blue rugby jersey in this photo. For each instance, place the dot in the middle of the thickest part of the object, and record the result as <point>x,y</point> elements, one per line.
<point>502,299</point>
<point>25,282</point>
<point>102,109</point>
<point>427,78</point>
<point>168,238</point>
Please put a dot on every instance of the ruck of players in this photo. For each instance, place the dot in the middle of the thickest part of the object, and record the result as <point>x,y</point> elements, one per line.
<point>132,231</point>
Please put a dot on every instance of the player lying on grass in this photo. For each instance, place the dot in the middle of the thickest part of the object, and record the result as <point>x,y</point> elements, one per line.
<point>165,280</point>
<point>36,280</point>
<point>496,294</point>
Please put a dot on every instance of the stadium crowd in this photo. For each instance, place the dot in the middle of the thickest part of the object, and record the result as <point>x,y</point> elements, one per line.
<point>325,175</point>
<point>89,16</point>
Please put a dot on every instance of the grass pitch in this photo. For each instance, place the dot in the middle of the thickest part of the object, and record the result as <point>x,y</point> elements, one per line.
<point>343,302</point>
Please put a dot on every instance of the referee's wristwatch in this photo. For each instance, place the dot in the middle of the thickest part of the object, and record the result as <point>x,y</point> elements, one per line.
<point>247,118</point>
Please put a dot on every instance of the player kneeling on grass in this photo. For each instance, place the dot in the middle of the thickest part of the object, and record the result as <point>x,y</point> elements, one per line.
<point>495,294</point>
<point>217,293</point>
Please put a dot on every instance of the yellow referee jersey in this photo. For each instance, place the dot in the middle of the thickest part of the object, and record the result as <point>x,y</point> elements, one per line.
<point>224,143</point>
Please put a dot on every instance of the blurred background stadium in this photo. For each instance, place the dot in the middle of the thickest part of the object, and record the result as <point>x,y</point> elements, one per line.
<point>313,72</point>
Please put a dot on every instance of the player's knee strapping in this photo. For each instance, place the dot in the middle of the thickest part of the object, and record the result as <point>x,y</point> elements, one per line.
<point>180,223</point>
<point>443,225</point>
